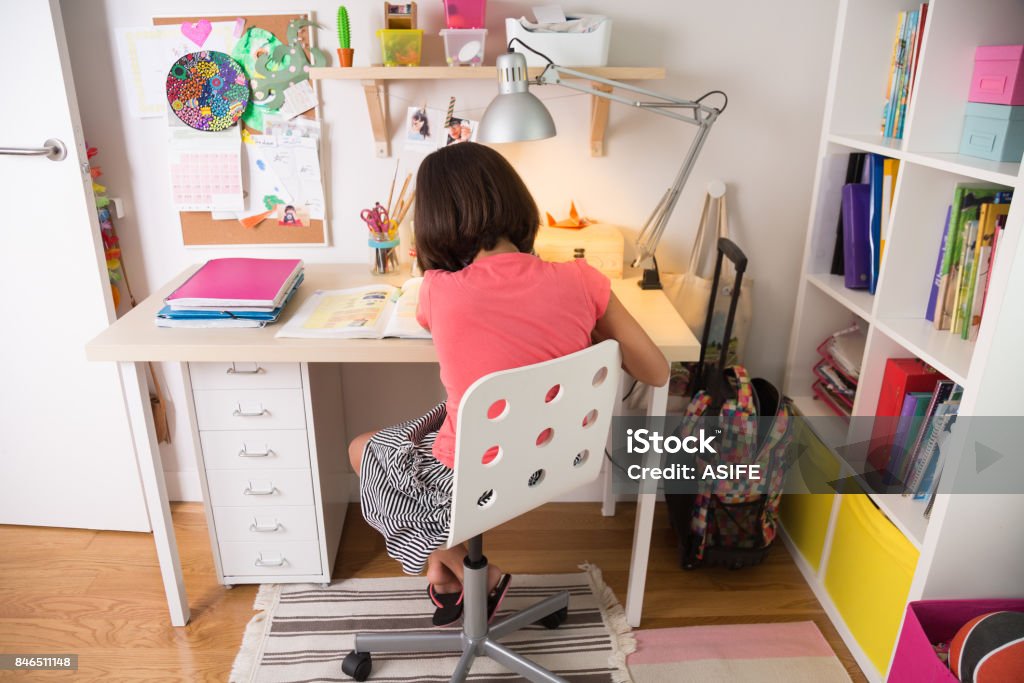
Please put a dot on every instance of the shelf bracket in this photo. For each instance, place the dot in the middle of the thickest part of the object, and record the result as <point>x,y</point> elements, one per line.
<point>598,119</point>
<point>377,105</point>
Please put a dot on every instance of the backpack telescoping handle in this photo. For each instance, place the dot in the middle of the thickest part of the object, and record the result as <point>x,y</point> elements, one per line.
<point>726,249</point>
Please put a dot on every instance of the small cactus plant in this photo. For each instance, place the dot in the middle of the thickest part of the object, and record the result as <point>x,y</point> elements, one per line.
<point>344,33</point>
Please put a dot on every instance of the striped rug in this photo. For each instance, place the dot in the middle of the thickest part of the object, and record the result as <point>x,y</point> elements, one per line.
<point>304,631</point>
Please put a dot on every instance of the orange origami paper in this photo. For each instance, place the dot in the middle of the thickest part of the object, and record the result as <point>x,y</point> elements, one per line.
<point>573,221</point>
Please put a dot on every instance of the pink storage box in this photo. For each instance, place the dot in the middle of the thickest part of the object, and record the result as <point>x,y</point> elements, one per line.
<point>998,75</point>
<point>464,13</point>
<point>936,621</point>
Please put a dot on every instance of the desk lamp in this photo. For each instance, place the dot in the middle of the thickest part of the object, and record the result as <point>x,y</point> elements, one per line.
<point>516,115</point>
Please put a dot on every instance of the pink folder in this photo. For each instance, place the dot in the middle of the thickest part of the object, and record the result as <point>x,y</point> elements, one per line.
<point>227,282</point>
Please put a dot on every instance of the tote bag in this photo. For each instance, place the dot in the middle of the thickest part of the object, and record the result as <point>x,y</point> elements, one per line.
<point>691,292</point>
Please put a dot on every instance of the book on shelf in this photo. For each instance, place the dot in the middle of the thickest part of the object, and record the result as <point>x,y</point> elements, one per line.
<point>234,283</point>
<point>370,312</point>
<point>903,61</point>
<point>936,279</point>
<point>891,169</point>
<point>1000,225</point>
<point>217,317</point>
<point>856,212</point>
<point>901,19</point>
<point>983,252</point>
<point>900,377</point>
<point>915,404</point>
<point>967,200</point>
<point>876,181</point>
<point>945,402</point>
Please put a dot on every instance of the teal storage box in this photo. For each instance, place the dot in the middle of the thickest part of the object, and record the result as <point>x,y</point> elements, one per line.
<point>993,131</point>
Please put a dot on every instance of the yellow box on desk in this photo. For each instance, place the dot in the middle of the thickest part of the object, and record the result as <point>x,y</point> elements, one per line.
<point>599,244</point>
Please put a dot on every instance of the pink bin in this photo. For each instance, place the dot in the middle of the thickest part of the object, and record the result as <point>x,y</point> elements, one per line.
<point>464,13</point>
<point>936,621</point>
<point>998,75</point>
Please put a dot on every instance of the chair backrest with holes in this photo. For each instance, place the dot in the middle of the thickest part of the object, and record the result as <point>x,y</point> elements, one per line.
<point>527,435</point>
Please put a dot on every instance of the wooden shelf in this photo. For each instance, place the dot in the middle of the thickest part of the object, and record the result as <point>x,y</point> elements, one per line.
<point>420,73</point>
<point>374,80</point>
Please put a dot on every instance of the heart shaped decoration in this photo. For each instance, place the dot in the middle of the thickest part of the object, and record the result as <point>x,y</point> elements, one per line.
<point>197,32</point>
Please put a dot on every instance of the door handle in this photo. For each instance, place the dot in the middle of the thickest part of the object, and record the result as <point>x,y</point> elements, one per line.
<point>53,149</point>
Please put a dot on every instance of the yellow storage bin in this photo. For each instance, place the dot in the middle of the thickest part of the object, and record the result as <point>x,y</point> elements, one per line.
<point>401,47</point>
<point>805,516</point>
<point>869,571</point>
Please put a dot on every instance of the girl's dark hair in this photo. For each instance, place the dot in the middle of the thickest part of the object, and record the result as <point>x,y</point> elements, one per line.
<point>467,198</point>
<point>420,115</point>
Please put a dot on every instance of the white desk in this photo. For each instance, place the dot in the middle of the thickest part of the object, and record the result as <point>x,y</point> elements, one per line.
<point>135,339</point>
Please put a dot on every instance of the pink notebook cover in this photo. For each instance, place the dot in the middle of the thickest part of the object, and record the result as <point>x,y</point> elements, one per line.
<point>237,281</point>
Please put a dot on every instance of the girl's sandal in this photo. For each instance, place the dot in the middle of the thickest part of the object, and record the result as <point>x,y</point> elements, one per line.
<point>497,595</point>
<point>449,606</point>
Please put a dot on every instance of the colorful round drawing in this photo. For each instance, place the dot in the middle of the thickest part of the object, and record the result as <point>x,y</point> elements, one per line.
<point>207,90</point>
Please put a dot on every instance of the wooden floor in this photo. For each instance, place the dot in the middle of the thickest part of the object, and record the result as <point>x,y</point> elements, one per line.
<point>98,594</point>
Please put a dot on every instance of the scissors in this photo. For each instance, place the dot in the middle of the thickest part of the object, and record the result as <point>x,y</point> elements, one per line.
<point>377,218</point>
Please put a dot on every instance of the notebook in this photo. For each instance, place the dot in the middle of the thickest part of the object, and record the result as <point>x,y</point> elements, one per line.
<point>371,312</point>
<point>213,317</point>
<point>237,282</point>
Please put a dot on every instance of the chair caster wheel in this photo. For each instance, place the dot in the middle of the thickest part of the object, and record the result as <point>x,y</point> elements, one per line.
<point>555,619</point>
<point>357,665</point>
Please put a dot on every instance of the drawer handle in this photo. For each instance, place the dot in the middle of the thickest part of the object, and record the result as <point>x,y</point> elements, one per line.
<point>260,562</point>
<point>265,453</point>
<point>255,526</point>
<point>238,412</point>
<point>250,491</point>
<point>235,371</point>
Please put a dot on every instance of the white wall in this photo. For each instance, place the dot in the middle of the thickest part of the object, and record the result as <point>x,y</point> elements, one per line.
<point>771,58</point>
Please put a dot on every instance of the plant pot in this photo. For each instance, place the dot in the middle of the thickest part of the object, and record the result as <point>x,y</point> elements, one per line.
<point>345,56</point>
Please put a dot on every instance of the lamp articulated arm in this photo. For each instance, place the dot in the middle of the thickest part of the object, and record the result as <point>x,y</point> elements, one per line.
<point>689,111</point>
<point>516,115</point>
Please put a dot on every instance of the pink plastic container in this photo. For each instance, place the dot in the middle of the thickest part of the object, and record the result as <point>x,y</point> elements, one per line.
<point>998,75</point>
<point>936,621</point>
<point>465,13</point>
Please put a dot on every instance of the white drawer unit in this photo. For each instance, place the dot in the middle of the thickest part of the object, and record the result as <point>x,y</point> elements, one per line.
<point>270,558</point>
<point>255,449</point>
<point>245,376</point>
<point>266,524</point>
<point>243,409</point>
<point>275,509</point>
<point>260,487</point>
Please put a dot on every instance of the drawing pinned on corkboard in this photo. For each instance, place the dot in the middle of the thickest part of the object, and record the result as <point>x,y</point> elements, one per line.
<point>267,160</point>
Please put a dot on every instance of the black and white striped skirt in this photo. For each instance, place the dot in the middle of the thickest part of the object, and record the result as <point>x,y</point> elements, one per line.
<point>406,493</point>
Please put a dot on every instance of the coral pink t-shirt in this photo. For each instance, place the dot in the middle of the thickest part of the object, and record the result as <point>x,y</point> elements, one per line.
<point>505,311</point>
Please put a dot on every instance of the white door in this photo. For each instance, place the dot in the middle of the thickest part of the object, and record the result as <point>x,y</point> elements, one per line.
<point>66,453</point>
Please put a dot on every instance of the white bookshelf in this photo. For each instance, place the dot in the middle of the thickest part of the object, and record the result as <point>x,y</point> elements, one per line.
<point>964,551</point>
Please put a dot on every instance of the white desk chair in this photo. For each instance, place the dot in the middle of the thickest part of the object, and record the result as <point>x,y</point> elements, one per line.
<point>548,424</point>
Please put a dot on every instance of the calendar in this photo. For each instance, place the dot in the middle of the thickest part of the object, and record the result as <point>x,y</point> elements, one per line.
<point>206,170</point>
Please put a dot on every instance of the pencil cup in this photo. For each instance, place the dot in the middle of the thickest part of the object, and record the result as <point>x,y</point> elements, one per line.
<point>383,257</point>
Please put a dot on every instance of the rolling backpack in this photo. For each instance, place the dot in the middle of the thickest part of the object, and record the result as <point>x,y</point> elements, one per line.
<point>732,522</point>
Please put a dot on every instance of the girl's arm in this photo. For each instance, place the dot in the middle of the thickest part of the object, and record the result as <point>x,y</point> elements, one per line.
<point>640,357</point>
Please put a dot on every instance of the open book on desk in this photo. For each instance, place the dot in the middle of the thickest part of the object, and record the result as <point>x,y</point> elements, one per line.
<point>371,312</point>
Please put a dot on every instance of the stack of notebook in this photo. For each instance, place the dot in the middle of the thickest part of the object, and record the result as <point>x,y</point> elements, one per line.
<point>233,292</point>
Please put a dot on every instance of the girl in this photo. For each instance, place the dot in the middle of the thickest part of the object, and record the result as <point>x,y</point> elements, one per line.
<point>490,305</point>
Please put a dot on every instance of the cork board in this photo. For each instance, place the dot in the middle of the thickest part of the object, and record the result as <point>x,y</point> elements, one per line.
<point>198,227</point>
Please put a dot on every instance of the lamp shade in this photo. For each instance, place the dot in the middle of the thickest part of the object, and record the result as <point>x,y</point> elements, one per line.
<point>515,115</point>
